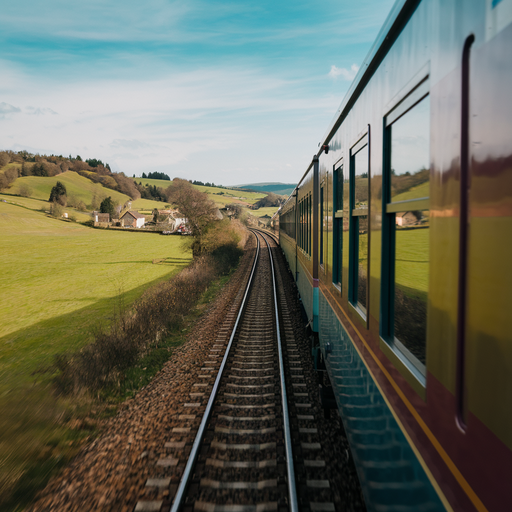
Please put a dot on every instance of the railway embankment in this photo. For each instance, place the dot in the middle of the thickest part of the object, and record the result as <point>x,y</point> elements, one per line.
<point>141,452</point>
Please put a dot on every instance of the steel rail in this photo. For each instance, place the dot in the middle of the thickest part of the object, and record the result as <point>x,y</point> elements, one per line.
<point>180,493</point>
<point>292,489</point>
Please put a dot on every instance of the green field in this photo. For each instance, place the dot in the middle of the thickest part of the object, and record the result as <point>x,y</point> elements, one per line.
<point>60,282</point>
<point>412,261</point>
<point>77,186</point>
<point>221,196</point>
<point>41,205</point>
<point>260,212</point>
<point>419,191</point>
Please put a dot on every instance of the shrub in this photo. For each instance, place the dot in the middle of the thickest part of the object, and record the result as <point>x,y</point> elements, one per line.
<point>25,190</point>
<point>56,210</point>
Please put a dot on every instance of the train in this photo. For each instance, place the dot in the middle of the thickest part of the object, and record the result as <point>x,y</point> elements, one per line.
<point>399,237</point>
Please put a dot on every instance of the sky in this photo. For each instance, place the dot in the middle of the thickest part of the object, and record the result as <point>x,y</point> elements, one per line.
<point>211,90</point>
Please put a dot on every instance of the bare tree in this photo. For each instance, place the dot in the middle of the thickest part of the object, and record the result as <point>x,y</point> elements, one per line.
<point>199,211</point>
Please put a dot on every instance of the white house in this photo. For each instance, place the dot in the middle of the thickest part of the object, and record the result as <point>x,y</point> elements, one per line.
<point>133,219</point>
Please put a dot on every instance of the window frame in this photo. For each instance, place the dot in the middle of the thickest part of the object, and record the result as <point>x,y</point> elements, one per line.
<point>338,216</point>
<point>396,350</point>
<point>362,144</point>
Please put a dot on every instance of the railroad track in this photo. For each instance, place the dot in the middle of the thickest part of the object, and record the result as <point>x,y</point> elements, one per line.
<point>244,435</point>
<point>241,457</point>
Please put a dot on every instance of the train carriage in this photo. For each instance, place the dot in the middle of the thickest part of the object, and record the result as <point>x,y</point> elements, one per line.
<point>399,235</point>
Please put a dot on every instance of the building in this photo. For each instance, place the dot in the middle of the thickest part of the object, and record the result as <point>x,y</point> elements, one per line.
<point>133,219</point>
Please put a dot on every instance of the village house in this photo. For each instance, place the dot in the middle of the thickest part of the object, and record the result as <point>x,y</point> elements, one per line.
<point>101,219</point>
<point>406,219</point>
<point>133,219</point>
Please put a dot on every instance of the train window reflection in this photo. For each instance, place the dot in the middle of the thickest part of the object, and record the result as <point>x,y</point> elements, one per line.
<point>410,149</point>
<point>338,226</point>
<point>359,194</point>
<point>362,263</point>
<point>361,179</point>
<point>406,233</point>
<point>411,284</point>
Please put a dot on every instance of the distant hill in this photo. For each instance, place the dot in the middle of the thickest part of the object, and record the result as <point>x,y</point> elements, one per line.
<point>282,189</point>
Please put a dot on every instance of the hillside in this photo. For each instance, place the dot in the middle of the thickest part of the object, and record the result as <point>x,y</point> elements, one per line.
<point>281,189</point>
<point>78,188</point>
<point>220,196</point>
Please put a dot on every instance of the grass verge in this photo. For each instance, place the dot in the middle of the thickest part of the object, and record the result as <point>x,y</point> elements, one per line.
<point>48,430</point>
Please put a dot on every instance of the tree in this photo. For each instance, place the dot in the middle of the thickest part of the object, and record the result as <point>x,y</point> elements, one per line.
<point>58,194</point>
<point>108,206</point>
<point>4,158</point>
<point>195,206</point>
<point>38,169</point>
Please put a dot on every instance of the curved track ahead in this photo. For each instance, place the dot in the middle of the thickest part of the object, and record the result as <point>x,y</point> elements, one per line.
<point>240,453</point>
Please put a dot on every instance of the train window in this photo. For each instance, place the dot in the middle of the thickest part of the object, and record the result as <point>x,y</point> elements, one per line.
<point>359,194</point>
<point>287,222</point>
<point>406,233</point>
<point>322,224</point>
<point>304,228</point>
<point>337,257</point>
<point>309,225</point>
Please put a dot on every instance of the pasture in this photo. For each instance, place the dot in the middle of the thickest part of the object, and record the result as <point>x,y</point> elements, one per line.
<point>267,210</point>
<point>77,186</point>
<point>220,196</point>
<point>60,282</point>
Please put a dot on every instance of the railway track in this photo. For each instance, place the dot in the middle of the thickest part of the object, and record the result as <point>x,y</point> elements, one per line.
<point>241,458</point>
<point>243,445</point>
<point>240,461</point>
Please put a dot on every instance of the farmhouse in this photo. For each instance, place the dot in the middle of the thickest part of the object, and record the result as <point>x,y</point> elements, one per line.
<point>406,219</point>
<point>101,219</point>
<point>133,219</point>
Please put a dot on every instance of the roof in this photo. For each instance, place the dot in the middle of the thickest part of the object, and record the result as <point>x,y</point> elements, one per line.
<point>135,215</point>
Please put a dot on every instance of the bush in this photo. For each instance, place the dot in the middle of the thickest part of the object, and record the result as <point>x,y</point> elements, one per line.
<point>25,190</point>
<point>56,210</point>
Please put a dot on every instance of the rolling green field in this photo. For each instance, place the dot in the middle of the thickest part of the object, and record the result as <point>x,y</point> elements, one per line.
<point>60,282</point>
<point>260,212</point>
<point>42,205</point>
<point>419,191</point>
<point>220,196</point>
<point>81,188</point>
<point>412,261</point>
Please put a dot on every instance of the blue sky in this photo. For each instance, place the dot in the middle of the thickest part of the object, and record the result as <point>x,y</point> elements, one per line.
<point>229,92</point>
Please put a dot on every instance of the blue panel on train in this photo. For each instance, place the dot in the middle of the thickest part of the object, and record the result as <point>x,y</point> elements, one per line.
<point>390,474</point>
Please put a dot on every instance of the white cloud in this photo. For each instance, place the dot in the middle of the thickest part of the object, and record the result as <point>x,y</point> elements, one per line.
<point>38,111</point>
<point>6,108</point>
<point>344,73</point>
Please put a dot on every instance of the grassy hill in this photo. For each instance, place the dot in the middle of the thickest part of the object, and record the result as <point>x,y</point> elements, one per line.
<point>220,196</point>
<point>416,192</point>
<point>77,186</point>
<point>281,189</point>
<point>40,205</point>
